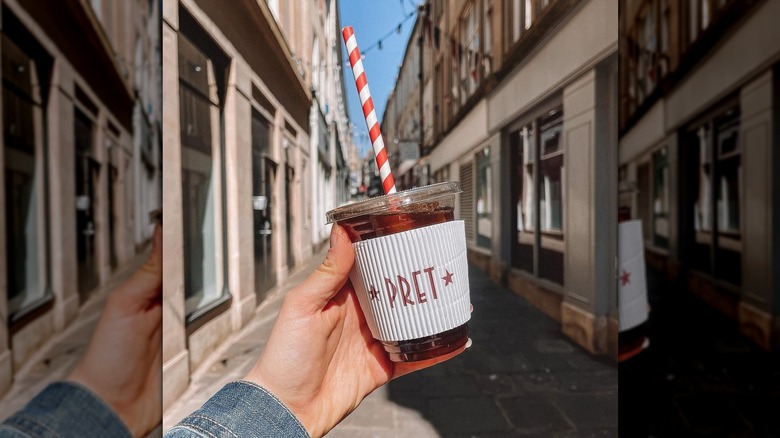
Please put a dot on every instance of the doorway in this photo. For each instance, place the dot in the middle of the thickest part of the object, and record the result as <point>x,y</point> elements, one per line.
<point>87,170</point>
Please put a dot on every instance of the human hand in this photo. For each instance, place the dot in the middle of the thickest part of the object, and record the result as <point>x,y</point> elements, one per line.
<point>321,360</point>
<point>123,362</point>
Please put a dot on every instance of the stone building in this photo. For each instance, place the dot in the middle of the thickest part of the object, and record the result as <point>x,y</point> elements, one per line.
<point>519,104</point>
<point>698,143</point>
<point>80,157</point>
<point>255,151</point>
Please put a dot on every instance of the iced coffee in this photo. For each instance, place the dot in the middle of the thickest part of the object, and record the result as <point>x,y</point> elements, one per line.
<point>410,272</point>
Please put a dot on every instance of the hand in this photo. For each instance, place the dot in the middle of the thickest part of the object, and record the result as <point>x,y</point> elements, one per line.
<point>123,362</point>
<point>321,360</point>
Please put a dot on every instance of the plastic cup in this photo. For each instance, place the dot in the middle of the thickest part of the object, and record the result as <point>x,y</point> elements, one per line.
<point>410,272</point>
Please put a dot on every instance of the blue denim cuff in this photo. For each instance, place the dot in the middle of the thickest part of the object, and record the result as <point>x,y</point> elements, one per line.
<point>62,410</point>
<point>241,409</point>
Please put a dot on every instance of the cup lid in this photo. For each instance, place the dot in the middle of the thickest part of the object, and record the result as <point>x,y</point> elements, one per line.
<point>386,203</point>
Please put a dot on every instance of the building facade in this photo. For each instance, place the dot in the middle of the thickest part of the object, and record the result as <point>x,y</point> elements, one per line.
<point>256,138</point>
<point>80,176</point>
<point>698,142</point>
<point>331,139</point>
<point>519,104</point>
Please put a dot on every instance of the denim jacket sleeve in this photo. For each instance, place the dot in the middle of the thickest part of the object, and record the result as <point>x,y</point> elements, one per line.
<point>63,410</point>
<point>240,409</point>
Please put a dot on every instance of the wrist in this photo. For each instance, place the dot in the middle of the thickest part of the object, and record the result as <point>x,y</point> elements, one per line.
<point>81,379</point>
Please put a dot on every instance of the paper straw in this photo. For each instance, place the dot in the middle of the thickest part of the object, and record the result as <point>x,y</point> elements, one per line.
<point>368,110</point>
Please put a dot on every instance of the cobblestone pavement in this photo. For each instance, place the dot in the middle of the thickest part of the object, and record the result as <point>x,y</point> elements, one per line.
<point>522,377</point>
<point>699,376</point>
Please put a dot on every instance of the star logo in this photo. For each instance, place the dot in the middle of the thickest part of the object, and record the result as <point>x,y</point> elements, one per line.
<point>373,293</point>
<point>625,278</point>
<point>447,278</point>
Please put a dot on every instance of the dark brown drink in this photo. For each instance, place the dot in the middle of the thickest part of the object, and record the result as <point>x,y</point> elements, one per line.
<point>393,215</point>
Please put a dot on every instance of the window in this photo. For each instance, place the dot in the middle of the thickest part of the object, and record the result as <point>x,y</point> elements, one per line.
<point>713,151</point>
<point>442,175</point>
<point>526,205</point>
<point>273,5</point>
<point>648,58</point>
<point>23,182</point>
<point>660,198</point>
<point>529,14</point>
<point>197,107</point>
<point>96,7</point>
<point>469,60</point>
<point>550,170</point>
<point>523,16</point>
<point>657,37</point>
<point>537,155</point>
<point>729,173</point>
<point>517,14</point>
<point>488,40</point>
<point>643,199</point>
<point>484,198</point>
<point>702,14</point>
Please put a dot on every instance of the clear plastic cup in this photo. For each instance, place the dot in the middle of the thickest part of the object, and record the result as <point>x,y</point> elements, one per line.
<point>410,273</point>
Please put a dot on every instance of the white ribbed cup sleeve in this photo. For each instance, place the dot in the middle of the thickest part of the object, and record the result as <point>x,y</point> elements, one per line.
<point>415,283</point>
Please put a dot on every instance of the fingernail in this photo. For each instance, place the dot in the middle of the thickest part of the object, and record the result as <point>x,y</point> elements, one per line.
<point>468,343</point>
<point>333,237</point>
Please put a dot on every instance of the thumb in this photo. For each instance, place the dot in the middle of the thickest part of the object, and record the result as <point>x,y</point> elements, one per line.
<point>320,286</point>
<point>144,288</point>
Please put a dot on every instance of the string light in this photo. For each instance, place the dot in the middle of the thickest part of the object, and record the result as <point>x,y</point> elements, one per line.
<point>395,29</point>
<point>378,44</point>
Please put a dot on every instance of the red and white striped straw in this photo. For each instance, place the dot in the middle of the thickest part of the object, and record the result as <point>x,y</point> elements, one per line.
<point>388,183</point>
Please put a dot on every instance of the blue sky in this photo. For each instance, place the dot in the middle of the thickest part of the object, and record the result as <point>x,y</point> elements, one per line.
<point>373,19</point>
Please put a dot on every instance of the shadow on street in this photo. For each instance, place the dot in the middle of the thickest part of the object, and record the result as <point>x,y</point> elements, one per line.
<point>521,377</point>
<point>699,376</point>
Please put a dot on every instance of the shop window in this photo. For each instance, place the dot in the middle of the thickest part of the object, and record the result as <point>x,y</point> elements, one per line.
<point>660,198</point>
<point>729,174</point>
<point>538,162</point>
<point>643,198</point>
<point>551,170</point>
<point>484,207</point>
<point>713,150</point>
<point>23,182</point>
<point>263,204</point>
<point>197,109</point>
<point>526,205</point>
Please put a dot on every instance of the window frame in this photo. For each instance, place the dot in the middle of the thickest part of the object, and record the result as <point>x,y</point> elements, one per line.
<point>543,242</point>
<point>196,303</point>
<point>38,293</point>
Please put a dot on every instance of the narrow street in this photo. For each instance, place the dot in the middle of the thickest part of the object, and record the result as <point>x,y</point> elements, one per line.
<point>521,377</point>
<point>699,376</point>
